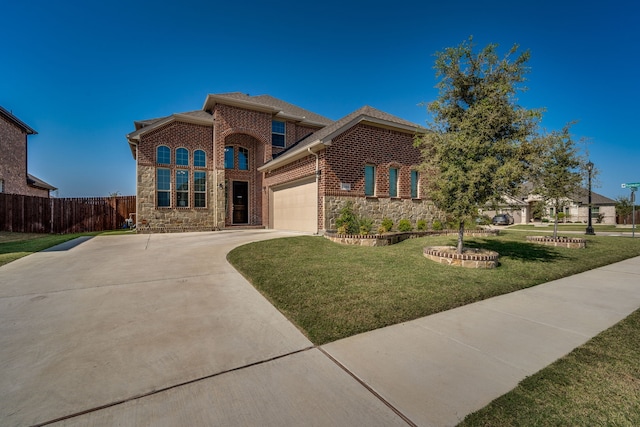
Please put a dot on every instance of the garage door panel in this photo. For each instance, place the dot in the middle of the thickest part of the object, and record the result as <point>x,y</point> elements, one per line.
<point>295,207</point>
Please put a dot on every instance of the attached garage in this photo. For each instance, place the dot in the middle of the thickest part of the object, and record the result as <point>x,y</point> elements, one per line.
<point>294,206</point>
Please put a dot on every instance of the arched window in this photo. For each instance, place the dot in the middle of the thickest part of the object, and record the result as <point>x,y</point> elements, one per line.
<point>182,157</point>
<point>199,159</point>
<point>243,159</point>
<point>228,157</point>
<point>163,155</point>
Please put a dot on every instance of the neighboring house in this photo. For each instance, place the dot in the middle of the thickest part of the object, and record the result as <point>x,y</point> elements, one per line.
<point>259,161</point>
<point>575,209</point>
<point>14,178</point>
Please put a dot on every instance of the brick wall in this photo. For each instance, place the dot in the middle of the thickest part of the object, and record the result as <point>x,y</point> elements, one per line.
<point>13,160</point>
<point>348,154</point>
<point>177,135</point>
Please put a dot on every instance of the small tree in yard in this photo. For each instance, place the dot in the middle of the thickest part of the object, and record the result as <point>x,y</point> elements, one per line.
<point>557,174</point>
<point>624,207</point>
<point>480,142</point>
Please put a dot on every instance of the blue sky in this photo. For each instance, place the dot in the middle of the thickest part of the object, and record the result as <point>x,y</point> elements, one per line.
<point>80,73</point>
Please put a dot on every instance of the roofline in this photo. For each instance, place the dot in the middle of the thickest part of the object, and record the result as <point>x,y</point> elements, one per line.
<point>177,117</point>
<point>294,155</point>
<point>213,99</point>
<point>9,115</point>
<point>318,144</point>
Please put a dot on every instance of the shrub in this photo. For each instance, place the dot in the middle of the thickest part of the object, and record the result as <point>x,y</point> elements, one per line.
<point>404,225</point>
<point>381,230</point>
<point>366,224</point>
<point>437,225</point>
<point>348,220</point>
<point>387,224</point>
<point>421,225</point>
<point>342,229</point>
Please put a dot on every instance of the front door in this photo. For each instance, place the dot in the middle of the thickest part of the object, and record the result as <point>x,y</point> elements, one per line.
<point>240,199</point>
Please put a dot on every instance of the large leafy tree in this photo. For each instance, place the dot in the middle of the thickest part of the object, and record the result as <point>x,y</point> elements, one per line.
<point>480,141</point>
<point>558,172</point>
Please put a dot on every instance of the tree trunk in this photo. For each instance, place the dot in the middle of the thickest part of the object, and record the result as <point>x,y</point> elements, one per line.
<point>555,225</point>
<point>460,237</point>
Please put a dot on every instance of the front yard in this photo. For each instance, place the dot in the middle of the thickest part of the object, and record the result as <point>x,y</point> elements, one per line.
<point>332,291</point>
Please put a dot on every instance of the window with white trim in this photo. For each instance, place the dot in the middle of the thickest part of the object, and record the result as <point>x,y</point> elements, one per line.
<point>163,187</point>
<point>182,157</point>
<point>278,132</point>
<point>199,159</point>
<point>163,155</point>
<point>182,188</point>
<point>243,159</point>
<point>200,189</point>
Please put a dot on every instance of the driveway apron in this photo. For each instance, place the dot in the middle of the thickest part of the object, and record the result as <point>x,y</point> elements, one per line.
<point>119,317</point>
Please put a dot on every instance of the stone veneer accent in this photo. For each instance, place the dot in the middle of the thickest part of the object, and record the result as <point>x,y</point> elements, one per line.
<point>470,258</point>
<point>377,209</point>
<point>152,219</point>
<point>565,242</point>
<point>393,238</point>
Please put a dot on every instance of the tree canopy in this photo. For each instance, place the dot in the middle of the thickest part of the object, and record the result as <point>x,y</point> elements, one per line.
<point>480,142</point>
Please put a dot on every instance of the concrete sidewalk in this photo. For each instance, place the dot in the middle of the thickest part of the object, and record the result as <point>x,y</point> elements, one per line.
<point>438,369</point>
<point>159,330</point>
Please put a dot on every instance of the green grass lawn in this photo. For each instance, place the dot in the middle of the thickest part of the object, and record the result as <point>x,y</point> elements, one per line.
<point>574,227</point>
<point>598,384</point>
<point>333,291</point>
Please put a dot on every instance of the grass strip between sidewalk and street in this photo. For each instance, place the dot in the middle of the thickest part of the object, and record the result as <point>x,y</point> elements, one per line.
<point>597,384</point>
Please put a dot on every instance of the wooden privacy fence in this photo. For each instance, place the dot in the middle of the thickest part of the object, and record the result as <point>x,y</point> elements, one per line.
<point>628,219</point>
<point>30,214</point>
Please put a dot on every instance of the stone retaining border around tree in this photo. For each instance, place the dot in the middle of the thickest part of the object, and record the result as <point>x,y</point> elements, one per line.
<point>393,238</point>
<point>470,258</point>
<point>565,242</point>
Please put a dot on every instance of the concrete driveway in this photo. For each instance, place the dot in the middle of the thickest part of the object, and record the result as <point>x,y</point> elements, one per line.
<point>160,330</point>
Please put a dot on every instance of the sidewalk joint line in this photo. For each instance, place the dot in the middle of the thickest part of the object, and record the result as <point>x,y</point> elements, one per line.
<point>171,387</point>
<point>370,389</point>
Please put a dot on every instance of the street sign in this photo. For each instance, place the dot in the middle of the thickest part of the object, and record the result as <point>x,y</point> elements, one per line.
<point>631,185</point>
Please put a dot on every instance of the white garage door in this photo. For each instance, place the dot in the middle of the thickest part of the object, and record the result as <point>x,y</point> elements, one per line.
<point>295,206</point>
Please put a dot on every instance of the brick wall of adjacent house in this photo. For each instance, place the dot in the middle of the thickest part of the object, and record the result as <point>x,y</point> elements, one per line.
<point>177,135</point>
<point>13,160</point>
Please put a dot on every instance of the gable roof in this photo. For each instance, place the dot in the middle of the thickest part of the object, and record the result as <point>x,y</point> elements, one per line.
<point>268,104</point>
<point>143,126</point>
<point>22,125</point>
<point>324,136</point>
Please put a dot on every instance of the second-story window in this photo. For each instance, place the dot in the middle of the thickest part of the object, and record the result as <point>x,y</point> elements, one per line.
<point>199,159</point>
<point>278,132</point>
<point>229,157</point>
<point>243,159</point>
<point>182,157</point>
<point>163,155</point>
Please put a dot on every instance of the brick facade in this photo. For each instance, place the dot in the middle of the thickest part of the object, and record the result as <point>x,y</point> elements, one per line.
<point>343,162</point>
<point>13,161</point>
<point>233,127</point>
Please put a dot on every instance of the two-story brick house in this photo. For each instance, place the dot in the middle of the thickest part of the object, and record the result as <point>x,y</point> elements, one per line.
<point>258,161</point>
<point>14,178</point>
